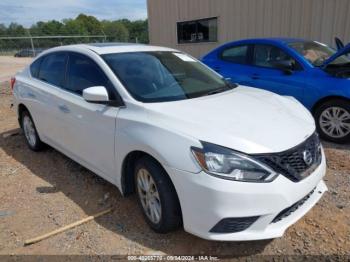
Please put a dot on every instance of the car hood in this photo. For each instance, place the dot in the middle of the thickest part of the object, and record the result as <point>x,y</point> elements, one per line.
<point>245,119</point>
<point>343,51</point>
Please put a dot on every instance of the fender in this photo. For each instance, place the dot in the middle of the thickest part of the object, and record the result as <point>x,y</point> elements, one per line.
<point>164,145</point>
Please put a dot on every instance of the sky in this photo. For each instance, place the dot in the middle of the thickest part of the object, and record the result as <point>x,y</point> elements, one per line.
<point>28,12</point>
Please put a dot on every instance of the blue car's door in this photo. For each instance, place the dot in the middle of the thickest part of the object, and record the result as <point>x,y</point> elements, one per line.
<point>266,72</point>
<point>233,62</point>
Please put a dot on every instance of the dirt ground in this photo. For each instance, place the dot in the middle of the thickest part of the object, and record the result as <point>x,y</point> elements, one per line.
<point>9,65</point>
<point>40,192</point>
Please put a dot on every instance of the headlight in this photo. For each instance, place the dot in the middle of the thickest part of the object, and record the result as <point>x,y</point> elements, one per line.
<point>228,164</point>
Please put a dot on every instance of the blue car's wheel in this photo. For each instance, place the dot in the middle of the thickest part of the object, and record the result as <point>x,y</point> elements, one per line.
<point>333,120</point>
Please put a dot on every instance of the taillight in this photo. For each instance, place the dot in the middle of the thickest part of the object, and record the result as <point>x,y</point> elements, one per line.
<point>13,81</point>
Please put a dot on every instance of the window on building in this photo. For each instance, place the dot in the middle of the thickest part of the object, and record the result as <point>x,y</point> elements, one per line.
<point>196,31</point>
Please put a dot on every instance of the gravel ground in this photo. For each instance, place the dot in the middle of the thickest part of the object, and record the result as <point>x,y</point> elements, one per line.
<point>40,192</point>
<point>9,65</point>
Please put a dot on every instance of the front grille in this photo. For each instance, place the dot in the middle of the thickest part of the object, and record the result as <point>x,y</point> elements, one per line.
<point>293,163</point>
<point>286,212</point>
<point>233,224</point>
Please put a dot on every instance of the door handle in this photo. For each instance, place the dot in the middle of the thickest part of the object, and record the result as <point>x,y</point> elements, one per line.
<point>63,108</point>
<point>255,76</point>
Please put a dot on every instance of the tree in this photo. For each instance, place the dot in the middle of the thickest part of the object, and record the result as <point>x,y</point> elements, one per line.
<point>122,30</point>
<point>3,29</point>
<point>138,30</point>
<point>52,27</point>
<point>74,27</point>
<point>36,29</point>
<point>15,29</point>
<point>92,25</point>
<point>115,30</point>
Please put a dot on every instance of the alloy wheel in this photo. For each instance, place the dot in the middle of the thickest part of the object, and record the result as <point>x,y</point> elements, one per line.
<point>29,130</point>
<point>149,196</point>
<point>335,122</point>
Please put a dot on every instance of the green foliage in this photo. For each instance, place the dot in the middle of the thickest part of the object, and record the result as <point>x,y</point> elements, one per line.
<point>3,30</point>
<point>74,27</point>
<point>46,28</point>
<point>90,23</point>
<point>15,29</point>
<point>138,30</point>
<point>115,30</point>
<point>122,30</point>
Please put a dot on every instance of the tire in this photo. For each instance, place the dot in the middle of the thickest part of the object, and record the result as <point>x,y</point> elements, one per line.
<point>334,113</point>
<point>30,132</point>
<point>170,212</point>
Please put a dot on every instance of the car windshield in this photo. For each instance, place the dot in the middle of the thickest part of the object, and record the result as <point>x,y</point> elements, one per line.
<point>164,76</point>
<point>316,53</point>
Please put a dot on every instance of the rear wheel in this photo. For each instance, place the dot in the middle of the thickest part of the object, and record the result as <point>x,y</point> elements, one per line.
<point>30,133</point>
<point>157,196</point>
<point>333,120</point>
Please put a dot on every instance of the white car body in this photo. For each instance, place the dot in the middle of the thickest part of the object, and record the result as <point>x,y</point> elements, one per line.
<point>245,119</point>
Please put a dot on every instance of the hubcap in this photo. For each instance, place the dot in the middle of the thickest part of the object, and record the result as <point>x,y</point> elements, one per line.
<point>149,195</point>
<point>29,130</point>
<point>335,122</point>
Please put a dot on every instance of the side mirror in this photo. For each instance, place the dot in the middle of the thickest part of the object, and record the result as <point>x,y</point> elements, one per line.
<point>96,94</point>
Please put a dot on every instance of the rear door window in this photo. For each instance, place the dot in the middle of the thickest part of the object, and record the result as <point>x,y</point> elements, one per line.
<point>236,54</point>
<point>53,69</point>
<point>35,67</point>
<point>83,72</point>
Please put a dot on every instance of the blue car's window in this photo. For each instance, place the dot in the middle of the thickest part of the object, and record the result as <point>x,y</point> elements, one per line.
<point>235,54</point>
<point>164,76</point>
<point>271,57</point>
<point>316,53</point>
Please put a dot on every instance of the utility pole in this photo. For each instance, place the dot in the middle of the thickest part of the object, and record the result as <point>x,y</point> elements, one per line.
<point>104,39</point>
<point>31,42</point>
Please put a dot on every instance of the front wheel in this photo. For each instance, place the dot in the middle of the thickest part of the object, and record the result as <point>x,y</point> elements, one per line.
<point>157,196</point>
<point>333,121</point>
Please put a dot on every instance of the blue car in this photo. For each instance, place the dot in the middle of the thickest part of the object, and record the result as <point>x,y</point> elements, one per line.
<point>315,74</point>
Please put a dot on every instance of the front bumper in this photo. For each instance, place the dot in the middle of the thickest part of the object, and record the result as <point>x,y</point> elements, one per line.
<point>205,200</point>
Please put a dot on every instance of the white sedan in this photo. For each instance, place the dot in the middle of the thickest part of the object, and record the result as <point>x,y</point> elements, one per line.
<point>226,162</point>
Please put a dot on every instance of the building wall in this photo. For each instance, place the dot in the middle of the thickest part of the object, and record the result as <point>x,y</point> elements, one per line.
<point>320,20</point>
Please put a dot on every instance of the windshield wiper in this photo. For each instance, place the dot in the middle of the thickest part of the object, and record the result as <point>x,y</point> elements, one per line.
<point>226,87</point>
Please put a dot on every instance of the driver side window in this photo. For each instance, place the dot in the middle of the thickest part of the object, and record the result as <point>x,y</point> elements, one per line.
<point>83,73</point>
<point>271,56</point>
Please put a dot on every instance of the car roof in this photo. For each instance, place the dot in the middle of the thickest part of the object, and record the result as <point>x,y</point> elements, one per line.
<point>287,39</point>
<point>107,48</point>
<point>280,40</point>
